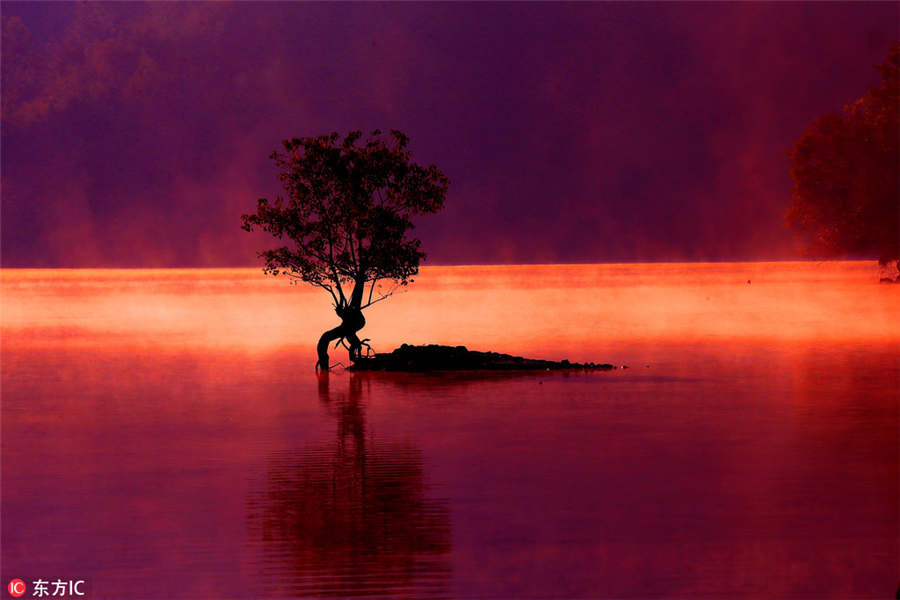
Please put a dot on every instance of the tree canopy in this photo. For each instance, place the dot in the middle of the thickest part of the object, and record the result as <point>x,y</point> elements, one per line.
<point>346,217</point>
<point>846,197</point>
<point>347,210</point>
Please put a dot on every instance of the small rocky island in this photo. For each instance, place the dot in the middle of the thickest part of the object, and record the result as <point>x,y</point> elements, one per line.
<point>459,358</point>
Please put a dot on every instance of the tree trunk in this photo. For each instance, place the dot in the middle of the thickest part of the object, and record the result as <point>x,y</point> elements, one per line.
<point>352,320</point>
<point>322,346</point>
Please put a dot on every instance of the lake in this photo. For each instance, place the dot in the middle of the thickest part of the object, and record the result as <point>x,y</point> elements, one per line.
<point>164,435</point>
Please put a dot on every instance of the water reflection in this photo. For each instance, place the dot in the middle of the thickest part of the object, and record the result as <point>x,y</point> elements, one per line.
<point>756,456</point>
<point>352,516</point>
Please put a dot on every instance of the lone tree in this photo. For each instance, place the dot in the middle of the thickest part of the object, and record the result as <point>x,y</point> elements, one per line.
<point>346,216</point>
<point>845,169</point>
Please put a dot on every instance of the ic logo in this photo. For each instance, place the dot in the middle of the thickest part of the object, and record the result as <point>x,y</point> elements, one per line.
<point>16,588</point>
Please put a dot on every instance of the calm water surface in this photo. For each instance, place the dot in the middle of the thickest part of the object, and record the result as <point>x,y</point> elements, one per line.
<point>164,435</point>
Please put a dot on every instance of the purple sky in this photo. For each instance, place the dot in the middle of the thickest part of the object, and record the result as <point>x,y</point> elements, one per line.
<point>137,134</point>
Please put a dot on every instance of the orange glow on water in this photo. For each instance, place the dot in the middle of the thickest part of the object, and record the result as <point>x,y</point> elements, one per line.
<point>578,310</point>
<point>168,425</point>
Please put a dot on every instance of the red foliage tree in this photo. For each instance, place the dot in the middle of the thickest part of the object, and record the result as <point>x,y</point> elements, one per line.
<point>845,169</point>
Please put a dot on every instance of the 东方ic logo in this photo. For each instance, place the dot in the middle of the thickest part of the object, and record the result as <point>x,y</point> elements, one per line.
<point>41,588</point>
<point>16,588</point>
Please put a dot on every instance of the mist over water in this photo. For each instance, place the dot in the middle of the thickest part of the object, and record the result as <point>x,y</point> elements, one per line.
<point>542,309</point>
<point>164,435</point>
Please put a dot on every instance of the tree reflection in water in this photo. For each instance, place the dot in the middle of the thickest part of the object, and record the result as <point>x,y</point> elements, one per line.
<point>350,517</point>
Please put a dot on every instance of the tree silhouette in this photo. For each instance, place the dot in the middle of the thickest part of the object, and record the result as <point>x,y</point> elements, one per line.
<point>845,170</point>
<point>347,214</point>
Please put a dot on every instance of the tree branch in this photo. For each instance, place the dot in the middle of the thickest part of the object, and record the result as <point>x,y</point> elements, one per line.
<point>352,249</point>
<point>379,299</point>
<point>324,286</point>
<point>334,271</point>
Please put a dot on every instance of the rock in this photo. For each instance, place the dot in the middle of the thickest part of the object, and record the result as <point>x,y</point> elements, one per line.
<point>458,358</point>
